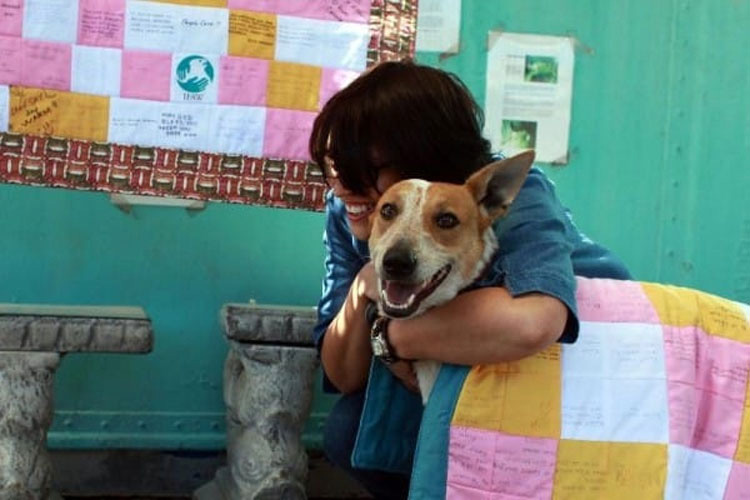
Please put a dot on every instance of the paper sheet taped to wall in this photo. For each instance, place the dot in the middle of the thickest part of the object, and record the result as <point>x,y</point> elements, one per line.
<point>529,90</point>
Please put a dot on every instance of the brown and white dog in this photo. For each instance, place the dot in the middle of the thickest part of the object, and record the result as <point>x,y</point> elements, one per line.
<point>431,240</point>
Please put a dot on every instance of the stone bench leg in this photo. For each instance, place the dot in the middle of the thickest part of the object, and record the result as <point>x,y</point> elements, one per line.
<point>26,389</point>
<point>267,390</point>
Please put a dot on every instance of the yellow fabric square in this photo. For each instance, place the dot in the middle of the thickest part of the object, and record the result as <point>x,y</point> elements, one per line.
<point>252,34</point>
<point>62,114</point>
<point>199,3</point>
<point>293,86</point>
<point>743,446</point>
<point>683,307</point>
<point>592,470</point>
<point>521,397</point>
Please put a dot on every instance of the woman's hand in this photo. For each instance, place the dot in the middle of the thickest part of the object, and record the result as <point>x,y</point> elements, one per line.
<point>365,284</point>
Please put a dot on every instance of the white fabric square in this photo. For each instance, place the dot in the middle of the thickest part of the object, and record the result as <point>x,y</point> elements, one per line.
<point>238,130</point>
<point>695,474</point>
<point>614,384</point>
<point>322,43</point>
<point>51,20</point>
<point>96,70</point>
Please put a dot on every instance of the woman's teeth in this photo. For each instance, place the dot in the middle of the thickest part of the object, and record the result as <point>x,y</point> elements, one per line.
<point>356,210</point>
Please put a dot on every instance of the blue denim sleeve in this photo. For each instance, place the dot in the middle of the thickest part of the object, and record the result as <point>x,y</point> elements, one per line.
<point>342,263</point>
<point>535,247</point>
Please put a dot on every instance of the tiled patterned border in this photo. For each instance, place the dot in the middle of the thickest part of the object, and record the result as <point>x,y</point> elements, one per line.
<point>87,165</point>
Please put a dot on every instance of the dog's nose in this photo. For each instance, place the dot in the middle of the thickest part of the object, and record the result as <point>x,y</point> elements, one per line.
<point>399,262</point>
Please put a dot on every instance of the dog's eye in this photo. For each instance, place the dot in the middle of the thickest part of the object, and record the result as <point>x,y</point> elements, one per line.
<point>388,211</point>
<point>446,220</point>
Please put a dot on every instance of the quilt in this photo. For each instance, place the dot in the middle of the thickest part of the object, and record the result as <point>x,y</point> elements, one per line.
<point>651,402</point>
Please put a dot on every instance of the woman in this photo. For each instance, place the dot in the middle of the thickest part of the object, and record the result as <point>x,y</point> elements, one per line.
<point>402,120</point>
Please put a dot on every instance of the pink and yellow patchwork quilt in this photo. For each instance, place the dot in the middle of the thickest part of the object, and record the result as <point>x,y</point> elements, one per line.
<point>651,402</point>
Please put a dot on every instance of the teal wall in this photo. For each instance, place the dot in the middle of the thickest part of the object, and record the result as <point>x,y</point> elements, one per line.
<point>660,136</point>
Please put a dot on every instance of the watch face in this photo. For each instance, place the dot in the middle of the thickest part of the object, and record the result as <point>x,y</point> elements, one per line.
<point>378,347</point>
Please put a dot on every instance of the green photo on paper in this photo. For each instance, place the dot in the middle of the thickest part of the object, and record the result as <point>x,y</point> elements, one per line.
<point>542,69</point>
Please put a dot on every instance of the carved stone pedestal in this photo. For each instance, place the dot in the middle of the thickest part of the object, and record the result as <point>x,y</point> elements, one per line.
<point>26,386</point>
<point>32,340</point>
<point>268,376</point>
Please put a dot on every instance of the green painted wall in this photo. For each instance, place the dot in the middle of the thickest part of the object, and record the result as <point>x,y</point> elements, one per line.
<point>660,137</point>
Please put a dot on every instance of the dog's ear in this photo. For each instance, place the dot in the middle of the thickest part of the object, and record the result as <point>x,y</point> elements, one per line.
<point>495,186</point>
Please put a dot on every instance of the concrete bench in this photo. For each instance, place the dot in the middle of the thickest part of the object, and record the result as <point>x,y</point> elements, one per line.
<point>32,340</point>
<point>268,377</point>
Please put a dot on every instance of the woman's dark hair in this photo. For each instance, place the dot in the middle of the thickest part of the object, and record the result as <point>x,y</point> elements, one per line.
<point>421,120</point>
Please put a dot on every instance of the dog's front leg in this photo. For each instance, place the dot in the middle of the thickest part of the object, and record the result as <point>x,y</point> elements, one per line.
<point>427,372</point>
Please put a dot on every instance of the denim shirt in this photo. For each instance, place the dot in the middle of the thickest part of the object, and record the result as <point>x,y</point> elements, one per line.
<point>540,250</point>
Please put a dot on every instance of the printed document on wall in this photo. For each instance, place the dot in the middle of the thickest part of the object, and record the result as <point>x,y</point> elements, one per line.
<point>438,25</point>
<point>529,91</point>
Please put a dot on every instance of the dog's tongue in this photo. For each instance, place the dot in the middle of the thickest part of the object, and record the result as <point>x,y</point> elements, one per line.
<point>399,293</point>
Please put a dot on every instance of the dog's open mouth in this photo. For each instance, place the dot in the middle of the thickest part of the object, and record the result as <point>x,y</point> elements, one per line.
<point>400,299</point>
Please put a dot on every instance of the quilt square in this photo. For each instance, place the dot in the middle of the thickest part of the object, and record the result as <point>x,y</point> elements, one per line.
<point>522,397</point>
<point>101,23</point>
<point>589,470</point>
<point>46,65</point>
<point>293,86</point>
<point>96,70</point>
<point>507,466</point>
<point>685,307</point>
<point>11,18</point>
<point>252,34</point>
<point>695,474</point>
<point>243,81</point>
<point>614,301</point>
<point>146,75</point>
<point>286,134</point>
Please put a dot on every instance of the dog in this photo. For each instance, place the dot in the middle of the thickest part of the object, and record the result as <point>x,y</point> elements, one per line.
<point>430,240</point>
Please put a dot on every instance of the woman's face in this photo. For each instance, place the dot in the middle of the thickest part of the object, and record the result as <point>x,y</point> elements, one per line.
<point>360,206</point>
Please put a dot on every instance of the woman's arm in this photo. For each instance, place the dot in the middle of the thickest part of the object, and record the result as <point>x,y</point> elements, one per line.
<point>487,325</point>
<point>346,351</point>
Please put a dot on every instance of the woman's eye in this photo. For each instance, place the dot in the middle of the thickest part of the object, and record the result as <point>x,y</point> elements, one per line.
<point>388,211</point>
<point>446,220</point>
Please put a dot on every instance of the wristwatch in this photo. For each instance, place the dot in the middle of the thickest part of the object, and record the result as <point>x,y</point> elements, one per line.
<point>381,348</point>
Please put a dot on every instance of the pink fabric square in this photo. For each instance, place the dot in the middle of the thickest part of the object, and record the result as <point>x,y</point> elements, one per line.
<point>332,81</point>
<point>287,134</point>
<point>470,457</point>
<point>101,23</point>
<point>10,60</point>
<point>146,75</point>
<point>738,486</point>
<point>243,81</point>
<point>11,17</point>
<point>523,466</point>
<point>356,11</point>
<point>614,301</point>
<point>505,466</point>
<point>46,65</point>
<point>707,379</point>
